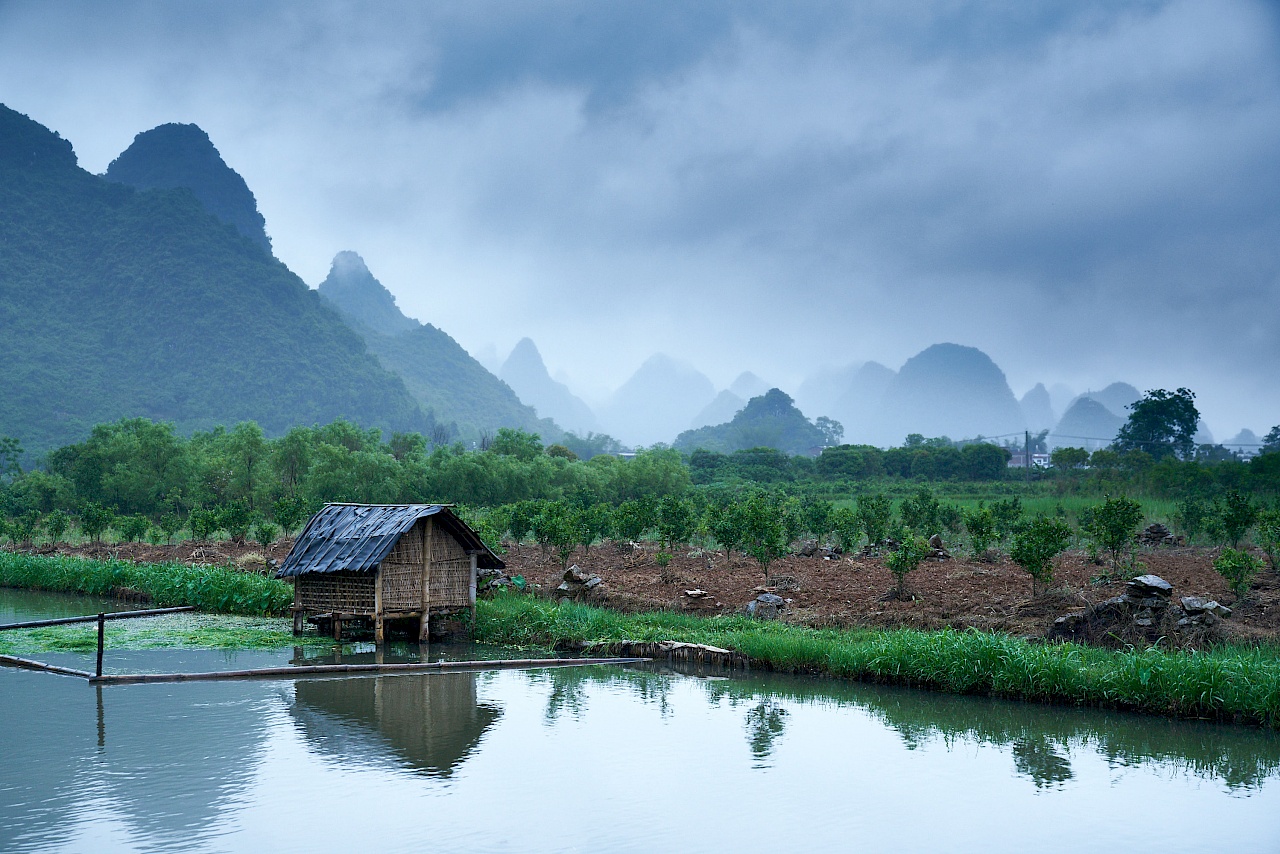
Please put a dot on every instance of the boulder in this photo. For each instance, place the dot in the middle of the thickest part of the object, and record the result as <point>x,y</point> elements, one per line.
<point>1199,605</point>
<point>766,606</point>
<point>576,575</point>
<point>593,582</point>
<point>935,543</point>
<point>1150,585</point>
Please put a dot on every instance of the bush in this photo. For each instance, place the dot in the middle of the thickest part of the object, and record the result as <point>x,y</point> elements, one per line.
<point>905,559</point>
<point>1239,569</point>
<point>676,521</point>
<point>1007,514</point>
<point>875,515</point>
<point>289,513</point>
<point>236,519</point>
<point>1035,547</point>
<point>845,526</point>
<point>132,529</point>
<point>764,536</point>
<point>981,525</point>
<point>55,525</point>
<point>921,512</point>
<point>1233,516</point>
<point>204,524</point>
<point>1112,525</point>
<point>95,520</point>
<point>1268,535</point>
<point>1191,517</point>
<point>265,533</point>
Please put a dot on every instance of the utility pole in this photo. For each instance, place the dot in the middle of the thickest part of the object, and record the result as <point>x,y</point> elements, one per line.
<point>1026,451</point>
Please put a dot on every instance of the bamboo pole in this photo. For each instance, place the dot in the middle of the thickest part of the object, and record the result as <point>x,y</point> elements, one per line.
<point>110,615</point>
<point>29,664</point>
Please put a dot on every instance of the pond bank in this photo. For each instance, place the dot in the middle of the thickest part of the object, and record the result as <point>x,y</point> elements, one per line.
<point>1234,683</point>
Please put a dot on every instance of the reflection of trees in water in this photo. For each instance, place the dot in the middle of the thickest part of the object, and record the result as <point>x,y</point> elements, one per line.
<point>426,723</point>
<point>1038,759</point>
<point>766,722</point>
<point>567,687</point>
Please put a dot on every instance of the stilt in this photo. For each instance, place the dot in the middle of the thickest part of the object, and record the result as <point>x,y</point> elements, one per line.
<point>337,626</point>
<point>424,628</point>
<point>299,622</point>
<point>379,631</point>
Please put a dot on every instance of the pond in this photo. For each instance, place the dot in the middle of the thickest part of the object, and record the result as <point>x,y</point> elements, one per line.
<point>636,758</point>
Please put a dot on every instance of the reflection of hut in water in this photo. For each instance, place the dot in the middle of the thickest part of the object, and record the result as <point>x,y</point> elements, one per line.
<point>427,723</point>
<point>384,562</point>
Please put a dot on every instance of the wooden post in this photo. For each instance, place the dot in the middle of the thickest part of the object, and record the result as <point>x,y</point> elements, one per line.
<point>337,626</point>
<point>379,628</point>
<point>102,632</point>
<point>473,592</point>
<point>298,616</point>
<point>424,630</point>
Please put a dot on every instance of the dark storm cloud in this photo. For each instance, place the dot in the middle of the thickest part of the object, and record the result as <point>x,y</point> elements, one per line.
<point>1087,191</point>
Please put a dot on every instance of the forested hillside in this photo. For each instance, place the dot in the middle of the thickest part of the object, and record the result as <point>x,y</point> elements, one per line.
<point>116,302</point>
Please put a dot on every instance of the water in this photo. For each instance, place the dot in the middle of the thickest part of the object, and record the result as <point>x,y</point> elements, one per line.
<point>599,759</point>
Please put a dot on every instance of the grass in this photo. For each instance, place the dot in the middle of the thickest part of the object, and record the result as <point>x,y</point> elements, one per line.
<point>217,589</point>
<point>172,631</point>
<point>1231,683</point>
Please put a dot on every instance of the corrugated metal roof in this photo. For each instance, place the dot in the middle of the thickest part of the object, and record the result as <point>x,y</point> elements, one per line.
<point>358,537</point>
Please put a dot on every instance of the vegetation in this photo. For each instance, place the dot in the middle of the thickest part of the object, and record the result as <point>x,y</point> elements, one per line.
<point>1112,526</point>
<point>906,558</point>
<point>770,420</point>
<point>1035,547</point>
<point>1162,424</point>
<point>1227,683</point>
<point>1239,568</point>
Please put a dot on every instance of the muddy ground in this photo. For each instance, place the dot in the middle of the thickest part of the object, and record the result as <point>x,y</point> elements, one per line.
<point>831,590</point>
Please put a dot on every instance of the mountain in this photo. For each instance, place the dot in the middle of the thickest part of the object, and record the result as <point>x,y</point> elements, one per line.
<point>858,406</point>
<point>182,156</point>
<point>117,302</point>
<point>1037,409</point>
<point>659,401</point>
<point>527,375</point>
<point>1116,397</point>
<point>748,385</point>
<point>436,369</point>
<point>1246,440</point>
<point>949,390</point>
<point>361,298</point>
<point>719,411</point>
<point>769,421</point>
<point>821,388</point>
<point>1086,424</point>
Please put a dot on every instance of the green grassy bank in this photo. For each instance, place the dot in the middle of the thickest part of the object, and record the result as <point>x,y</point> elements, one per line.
<point>1231,683</point>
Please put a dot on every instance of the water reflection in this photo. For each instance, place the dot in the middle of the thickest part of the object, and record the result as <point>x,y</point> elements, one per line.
<point>765,724</point>
<point>428,724</point>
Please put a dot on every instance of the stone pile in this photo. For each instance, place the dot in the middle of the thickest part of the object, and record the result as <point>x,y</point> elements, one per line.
<point>766,606</point>
<point>578,581</point>
<point>1146,603</point>
<point>1159,535</point>
<point>491,579</point>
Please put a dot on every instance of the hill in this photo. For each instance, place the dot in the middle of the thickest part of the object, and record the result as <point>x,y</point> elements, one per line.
<point>1037,409</point>
<point>950,390</point>
<point>527,375</point>
<point>176,156</point>
<point>768,421</point>
<point>117,302</point>
<point>659,401</point>
<point>1086,424</point>
<point>439,373</point>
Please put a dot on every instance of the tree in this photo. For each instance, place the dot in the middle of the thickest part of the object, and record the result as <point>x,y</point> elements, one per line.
<point>1271,442</point>
<point>921,511</point>
<point>815,513</point>
<point>676,521</point>
<point>23,529</point>
<point>984,461</point>
<point>1007,513</point>
<point>1239,568</point>
<point>633,518</point>
<point>132,528</point>
<point>980,522</point>
<point>288,513</point>
<point>10,456</point>
<point>236,519</point>
<point>844,524</point>
<point>1035,547</point>
<point>516,443</point>
<point>55,525</point>
<point>906,558</point>
<point>1112,525</point>
<point>1162,424</point>
<point>203,524</point>
<point>832,430</point>
<point>1066,459</point>
<point>764,536</point>
<point>1192,517</point>
<point>95,520</point>
<point>1268,535</point>
<point>875,514</point>
<point>723,520</point>
<point>265,533</point>
<point>1233,515</point>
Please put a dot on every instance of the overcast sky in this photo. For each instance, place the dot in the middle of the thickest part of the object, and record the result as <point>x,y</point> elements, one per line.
<point>1086,191</point>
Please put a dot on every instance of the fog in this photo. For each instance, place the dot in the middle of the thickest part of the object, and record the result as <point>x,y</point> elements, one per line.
<point>1087,192</point>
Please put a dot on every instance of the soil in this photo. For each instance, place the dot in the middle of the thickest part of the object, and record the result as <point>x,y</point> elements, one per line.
<point>823,590</point>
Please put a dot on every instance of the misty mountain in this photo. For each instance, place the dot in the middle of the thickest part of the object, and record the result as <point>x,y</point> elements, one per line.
<point>1061,396</point>
<point>949,390</point>
<point>1246,439</point>
<point>820,389</point>
<point>1116,397</point>
<point>435,368</point>
<point>859,405</point>
<point>527,374</point>
<point>748,385</point>
<point>1037,409</point>
<point>768,421</point>
<point>658,402</point>
<point>1086,424</point>
<point>361,298</point>
<point>719,411</point>
<point>174,156</point>
<point>117,302</point>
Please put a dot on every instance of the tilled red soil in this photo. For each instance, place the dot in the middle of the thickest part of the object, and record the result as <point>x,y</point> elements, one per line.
<point>839,591</point>
<point>851,590</point>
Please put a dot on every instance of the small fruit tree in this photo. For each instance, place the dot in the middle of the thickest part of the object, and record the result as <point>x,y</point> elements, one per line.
<point>905,559</point>
<point>1112,525</point>
<point>1036,545</point>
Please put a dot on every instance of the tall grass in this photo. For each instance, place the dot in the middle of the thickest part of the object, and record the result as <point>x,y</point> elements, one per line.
<point>210,588</point>
<point>1230,683</point>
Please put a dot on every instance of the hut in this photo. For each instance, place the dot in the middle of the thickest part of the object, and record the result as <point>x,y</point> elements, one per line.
<point>383,562</point>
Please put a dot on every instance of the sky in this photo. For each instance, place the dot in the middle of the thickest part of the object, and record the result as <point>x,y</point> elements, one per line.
<point>1087,191</point>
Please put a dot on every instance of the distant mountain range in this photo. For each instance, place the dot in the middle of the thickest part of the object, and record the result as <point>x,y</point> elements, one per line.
<point>658,402</point>
<point>527,374</point>
<point>770,420</point>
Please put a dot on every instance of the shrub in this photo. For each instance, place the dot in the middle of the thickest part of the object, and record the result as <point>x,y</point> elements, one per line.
<point>1007,514</point>
<point>95,520</point>
<point>132,529</point>
<point>845,526</point>
<point>289,513</point>
<point>981,525</point>
<point>875,514</point>
<point>1233,516</point>
<point>921,512</point>
<point>1035,547</point>
<point>265,533</point>
<point>170,524</point>
<point>203,523</point>
<point>906,558</point>
<point>1191,517</point>
<point>764,536</point>
<point>633,519</point>
<point>1268,535</point>
<point>1112,525</point>
<point>816,515</point>
<point>236,519</point>
<point>1239,568</point>
<point>723,522</point>
<point>55,525</point>
<point>676,521</point>
<point>23,529</point>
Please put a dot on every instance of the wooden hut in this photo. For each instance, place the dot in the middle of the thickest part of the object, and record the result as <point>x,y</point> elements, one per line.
<point>384,562</point>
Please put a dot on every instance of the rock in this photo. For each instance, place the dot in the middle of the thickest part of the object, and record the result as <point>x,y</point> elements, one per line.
<point>1145,601</point>
<point>594,581</point>
<point>696,593</point>
<point>935,543</point>
<point>1194,605</point>
<point>766,606</point>
<point>809,548</point>
<point>941,554</point>
<point>1143,621</point>
<point>577,575</point>
<point>1150,585</point>
<point>770,598</point>
<point>1220,611</point>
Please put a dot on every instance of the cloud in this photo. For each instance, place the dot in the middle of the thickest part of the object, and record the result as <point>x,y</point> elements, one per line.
<point>1087,191</point>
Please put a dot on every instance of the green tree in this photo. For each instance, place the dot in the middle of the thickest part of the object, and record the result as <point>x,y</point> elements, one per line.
<point>265,533</point>
<point>516,443</point>
<point>170,524</point>
<point>132,529</point>
<point>55,525</point>
<point>1068,459</point>
<point>1112,526</point>
<point>1239,568</point>
<point>845,526</point>
<point>10,457</point>
<point>676,521</point>
<point>95,520</point>
<point>1192,516</point>
<point>1162,424</point>
<point>1007,513</point>
<point>980,522</point>
<point>1271,442</point>
<point>764,536</point>
<point>905,559</point>
<point>1233,516</point>
<point>921,511</point>
<point>24,528</point>
<point>204,524</point>
<point>1036,545</point>
<point>875,515</point>
<point>723,520</point>
<point>815,514</point>
<point>1268,535</point>
<point>633,519</point>
<point>289,513</point>
<point>236,519</point>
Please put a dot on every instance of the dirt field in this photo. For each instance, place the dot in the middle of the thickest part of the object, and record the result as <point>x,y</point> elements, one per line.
<point>823,591</point>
